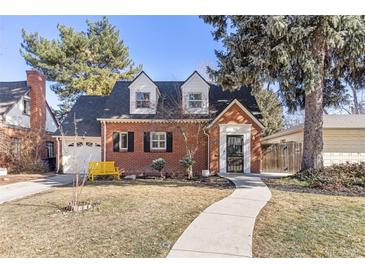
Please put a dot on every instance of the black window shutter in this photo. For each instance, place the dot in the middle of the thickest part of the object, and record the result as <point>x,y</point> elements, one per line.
<point>168,141</point>
<point>116,141</point>
<point>130,141</point>
<point>146,142</point>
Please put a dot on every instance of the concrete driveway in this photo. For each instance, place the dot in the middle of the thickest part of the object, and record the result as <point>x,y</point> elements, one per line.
<point>225,228</point>
<point>16,191</point>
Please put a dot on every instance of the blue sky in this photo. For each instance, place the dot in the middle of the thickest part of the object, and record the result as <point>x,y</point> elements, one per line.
<point>168,47</point>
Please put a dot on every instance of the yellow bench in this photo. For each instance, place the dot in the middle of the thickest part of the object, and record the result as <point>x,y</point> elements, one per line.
<point>102,168</point>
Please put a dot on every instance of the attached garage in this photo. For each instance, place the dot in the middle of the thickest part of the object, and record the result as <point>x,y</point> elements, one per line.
<point>343,141</point>
<point>77,154</point>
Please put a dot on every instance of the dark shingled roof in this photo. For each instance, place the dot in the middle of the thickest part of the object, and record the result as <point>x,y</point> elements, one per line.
<point>10,93</point>
<point>116,105</point>
<point>87,109</point>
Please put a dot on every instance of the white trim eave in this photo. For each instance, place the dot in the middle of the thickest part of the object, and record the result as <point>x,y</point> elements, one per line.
<point>235,101</point>
<point>17,101</point>
<point>295,129</point>
<point>116,120</point>
<point>78,137</point>
<point>191,76</point>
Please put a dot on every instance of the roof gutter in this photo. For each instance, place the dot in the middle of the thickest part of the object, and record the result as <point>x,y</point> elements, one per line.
<point>283,133</point>
<point>121,120</point>
<point>208,156</point>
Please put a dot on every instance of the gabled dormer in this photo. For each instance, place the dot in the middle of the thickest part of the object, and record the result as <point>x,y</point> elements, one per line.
<point>143,94</point>
<point>195,94</point>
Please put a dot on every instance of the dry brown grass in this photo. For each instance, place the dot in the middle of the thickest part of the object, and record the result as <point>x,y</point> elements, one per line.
<point>303,224</point>
<point>133,220</point>
<point>16,178</point>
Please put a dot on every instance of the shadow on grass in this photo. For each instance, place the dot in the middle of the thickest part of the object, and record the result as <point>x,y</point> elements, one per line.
<point>47,205</point>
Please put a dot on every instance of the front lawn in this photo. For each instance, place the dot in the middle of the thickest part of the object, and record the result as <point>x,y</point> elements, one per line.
<point>134,219</point>
<point>16,178</point>
<point>303,222</point>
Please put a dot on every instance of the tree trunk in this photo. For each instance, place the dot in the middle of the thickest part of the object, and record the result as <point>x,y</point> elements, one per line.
<point>313,120</point>
<point>190,172</point>
<point>356,109</point>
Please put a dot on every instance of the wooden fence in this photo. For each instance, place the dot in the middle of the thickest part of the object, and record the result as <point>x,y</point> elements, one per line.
<point>283,157</point>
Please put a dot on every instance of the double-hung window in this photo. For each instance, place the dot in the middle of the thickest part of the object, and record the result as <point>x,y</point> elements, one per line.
<point>142,99</point>
<point>158,140</point>
<point>123,140</point>
<point>16,147</point>
<point>195,100</point>
<point>50,150</point>
<point>26,106</point>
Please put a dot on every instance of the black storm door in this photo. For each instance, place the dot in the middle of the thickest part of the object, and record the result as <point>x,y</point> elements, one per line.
<point>235,153</point>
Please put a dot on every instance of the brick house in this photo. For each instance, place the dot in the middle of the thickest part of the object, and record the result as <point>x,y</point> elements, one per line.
<point>24,109</point>
<point>142,120</point>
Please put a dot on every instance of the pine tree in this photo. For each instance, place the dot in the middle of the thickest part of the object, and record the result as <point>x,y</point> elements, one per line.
<point>309,57</point>
<point>271,111</point>
<point>80,62</point>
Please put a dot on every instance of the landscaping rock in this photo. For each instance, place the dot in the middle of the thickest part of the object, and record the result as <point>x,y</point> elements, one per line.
<point>130,177</point>
<point>3,171</point>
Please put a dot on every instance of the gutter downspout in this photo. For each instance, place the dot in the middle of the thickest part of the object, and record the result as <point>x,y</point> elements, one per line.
<point>58,155</point>
<point>104,140</point>
<point>208,158</point>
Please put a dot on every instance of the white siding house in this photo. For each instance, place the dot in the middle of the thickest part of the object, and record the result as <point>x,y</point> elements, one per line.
<point>16,116</point>
<point>343,138</point>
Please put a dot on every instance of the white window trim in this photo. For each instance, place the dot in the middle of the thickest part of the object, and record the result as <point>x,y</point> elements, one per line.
<point>201,100</point>
<point>151,140</point>
<point>136,101</point>
<point>26,101</point>
<point>120,141</point>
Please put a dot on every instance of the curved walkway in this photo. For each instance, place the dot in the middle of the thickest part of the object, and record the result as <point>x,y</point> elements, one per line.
<point>225,228</point>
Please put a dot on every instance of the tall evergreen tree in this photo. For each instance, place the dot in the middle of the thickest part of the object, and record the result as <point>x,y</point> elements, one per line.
<point>80,62</point>
<point>310,57</point>
<point>271,111</point>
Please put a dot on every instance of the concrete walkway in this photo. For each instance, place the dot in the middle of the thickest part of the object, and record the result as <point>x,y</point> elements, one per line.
<point>225,228</point>
<point>16,191</point>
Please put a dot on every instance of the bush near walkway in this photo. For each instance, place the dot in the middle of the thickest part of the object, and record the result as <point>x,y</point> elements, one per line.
<point>336,177</point>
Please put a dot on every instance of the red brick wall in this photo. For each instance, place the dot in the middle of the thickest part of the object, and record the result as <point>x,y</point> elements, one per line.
<point>36,81</point>
<point>139,161</point>
<point>24,133</point>
<point>235,115</point>
<point>37,95</point>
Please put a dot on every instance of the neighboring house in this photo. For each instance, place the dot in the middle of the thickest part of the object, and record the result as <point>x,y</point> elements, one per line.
<point>141,121</point>
<point>23,108</point>
<point>343,138</point>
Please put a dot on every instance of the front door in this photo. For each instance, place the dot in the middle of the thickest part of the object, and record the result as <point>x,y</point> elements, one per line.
<point>235,153</point>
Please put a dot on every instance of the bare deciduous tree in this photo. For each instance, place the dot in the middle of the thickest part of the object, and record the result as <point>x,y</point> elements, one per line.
<point>172,108</point>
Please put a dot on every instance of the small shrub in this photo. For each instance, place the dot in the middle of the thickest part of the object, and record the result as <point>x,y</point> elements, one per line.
<point>159,164</point>
<point>187,162</point>
<point>335,176</point>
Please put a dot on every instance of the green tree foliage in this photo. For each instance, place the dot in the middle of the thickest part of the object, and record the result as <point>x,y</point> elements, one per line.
<point>310,57</point>
<point>271,111</point>
<point>80,62</point>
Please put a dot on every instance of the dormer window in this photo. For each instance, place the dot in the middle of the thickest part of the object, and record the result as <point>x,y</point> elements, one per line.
<point>195,100</point>
<point>195,95</point>
<point>26,107</point>
<point>143,99</point>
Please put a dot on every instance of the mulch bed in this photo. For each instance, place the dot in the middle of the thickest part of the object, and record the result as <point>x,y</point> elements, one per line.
<point>212,181</point>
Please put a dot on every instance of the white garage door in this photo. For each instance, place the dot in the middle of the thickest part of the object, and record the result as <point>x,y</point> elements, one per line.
<point>77,155</point>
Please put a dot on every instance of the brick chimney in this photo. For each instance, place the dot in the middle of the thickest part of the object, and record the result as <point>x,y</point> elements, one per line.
<point>37,83</point>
